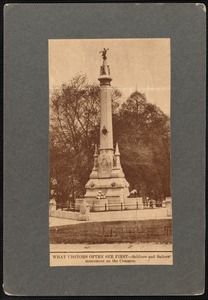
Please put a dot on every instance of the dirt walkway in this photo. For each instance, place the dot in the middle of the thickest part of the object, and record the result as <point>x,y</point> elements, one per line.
<point>110,247</point>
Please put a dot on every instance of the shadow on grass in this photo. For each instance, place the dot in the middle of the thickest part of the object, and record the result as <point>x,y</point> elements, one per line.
<point>143,231</point>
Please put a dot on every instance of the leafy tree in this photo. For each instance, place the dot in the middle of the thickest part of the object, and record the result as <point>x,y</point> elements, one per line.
<point>74,129</point>
<point>143,133</point>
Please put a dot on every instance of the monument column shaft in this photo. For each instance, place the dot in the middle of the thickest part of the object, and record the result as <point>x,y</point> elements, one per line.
<point>106,130</point>
<point>107,176</point>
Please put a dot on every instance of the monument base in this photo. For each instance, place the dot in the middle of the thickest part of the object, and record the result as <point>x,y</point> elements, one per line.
<point>114,187</point>
<point>94,204</point>
<point>110,204</point>
<point>104,194</point>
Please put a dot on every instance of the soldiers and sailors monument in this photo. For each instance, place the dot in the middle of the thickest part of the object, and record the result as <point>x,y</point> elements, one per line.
<point>107,187</point>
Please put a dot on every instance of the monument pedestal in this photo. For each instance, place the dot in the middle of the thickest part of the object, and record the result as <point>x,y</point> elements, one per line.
<point>114,189</point>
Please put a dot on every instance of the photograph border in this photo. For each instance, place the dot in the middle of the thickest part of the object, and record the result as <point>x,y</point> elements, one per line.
<point>143,72</point>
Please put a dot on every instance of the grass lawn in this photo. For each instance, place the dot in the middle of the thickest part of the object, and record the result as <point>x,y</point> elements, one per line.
<point>143,231</point>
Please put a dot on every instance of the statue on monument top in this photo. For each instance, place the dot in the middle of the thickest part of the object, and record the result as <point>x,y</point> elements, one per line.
<point>104,53</point>
<point>104,70</point>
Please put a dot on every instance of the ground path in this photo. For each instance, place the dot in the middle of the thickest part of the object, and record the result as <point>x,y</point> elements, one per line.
<point>110,247</point>
<point>144,214</point>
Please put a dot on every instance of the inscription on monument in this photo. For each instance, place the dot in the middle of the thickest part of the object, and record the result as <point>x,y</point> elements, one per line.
<point>104,166</point>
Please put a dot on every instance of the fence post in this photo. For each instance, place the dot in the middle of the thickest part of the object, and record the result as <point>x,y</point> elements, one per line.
<point>105,206</point>
<point>121,206</point>
<point>137,206</point>
<point>52,204</point>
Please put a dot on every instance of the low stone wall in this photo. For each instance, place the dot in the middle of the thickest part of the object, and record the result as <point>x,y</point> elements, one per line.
<point>131,209</point>
<point>142,214</point>
<point>125,215</point>
<point>64,214</point>
<point>133,203</point>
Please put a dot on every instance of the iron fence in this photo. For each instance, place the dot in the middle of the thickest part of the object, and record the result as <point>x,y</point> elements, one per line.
<point>108,207</point>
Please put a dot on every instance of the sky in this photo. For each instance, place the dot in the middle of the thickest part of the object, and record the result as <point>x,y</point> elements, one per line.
<point>135,64</point>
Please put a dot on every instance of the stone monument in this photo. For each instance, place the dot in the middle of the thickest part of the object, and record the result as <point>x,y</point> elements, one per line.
<point>107,187</point>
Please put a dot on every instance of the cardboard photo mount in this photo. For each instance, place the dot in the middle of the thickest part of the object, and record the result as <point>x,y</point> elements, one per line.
<point>28,27</point>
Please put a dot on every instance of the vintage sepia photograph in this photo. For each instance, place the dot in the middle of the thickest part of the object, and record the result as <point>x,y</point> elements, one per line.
<point>110,197</point>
